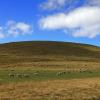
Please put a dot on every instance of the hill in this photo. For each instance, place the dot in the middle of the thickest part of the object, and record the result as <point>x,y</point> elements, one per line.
<point>39,51</point>
<point>49,70</point>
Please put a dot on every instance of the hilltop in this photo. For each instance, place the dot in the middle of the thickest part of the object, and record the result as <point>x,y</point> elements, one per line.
<point>35,51</point>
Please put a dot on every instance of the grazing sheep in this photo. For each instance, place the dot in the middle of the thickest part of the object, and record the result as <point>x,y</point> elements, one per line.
<point>19,75</point>
<point>12,70</point>
<point>61,73</point>
<point>36,73</point>
<point>11,75</point>
<point>26,75</point>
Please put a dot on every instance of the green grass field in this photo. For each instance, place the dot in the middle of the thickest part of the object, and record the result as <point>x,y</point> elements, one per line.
<point>41,75</point>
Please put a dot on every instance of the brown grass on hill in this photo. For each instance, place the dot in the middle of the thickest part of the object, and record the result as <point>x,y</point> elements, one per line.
<point>52,65</point>
<point>76,89</point>
<point>46,51</point>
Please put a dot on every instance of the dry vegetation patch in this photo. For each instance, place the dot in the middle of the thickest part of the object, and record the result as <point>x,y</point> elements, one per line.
<point>74,89</point>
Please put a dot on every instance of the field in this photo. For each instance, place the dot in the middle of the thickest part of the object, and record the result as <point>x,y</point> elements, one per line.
<point>76,89</point>
<point>75,81</point>
<point>49,71</point>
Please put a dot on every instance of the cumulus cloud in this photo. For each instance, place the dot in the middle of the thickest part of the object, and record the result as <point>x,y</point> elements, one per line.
<point>53,4</point>
<point>13,29</point>
<point>90,31</point>
<point>56,4</point>
<point>84,21</point>
<point>59,4</point>
<point>18,28</point>
<point>1,33</point>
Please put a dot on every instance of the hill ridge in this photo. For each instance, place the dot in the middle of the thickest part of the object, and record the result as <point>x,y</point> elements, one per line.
<point>35,51</point>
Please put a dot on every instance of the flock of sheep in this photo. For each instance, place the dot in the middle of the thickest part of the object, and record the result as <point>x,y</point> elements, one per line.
<point>80,71</point>
<point>60,73</point>
<point>22,75</point>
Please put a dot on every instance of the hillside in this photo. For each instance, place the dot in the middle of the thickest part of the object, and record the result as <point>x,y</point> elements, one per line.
<point>35,51</point>
<point>49,48</point>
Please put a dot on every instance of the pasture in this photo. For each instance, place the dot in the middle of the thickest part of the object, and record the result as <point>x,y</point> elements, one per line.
<point>49,71</point>
<point>54,81</point>
<point>41,75</point>
<point>74,89</point>
<point>51,81</point>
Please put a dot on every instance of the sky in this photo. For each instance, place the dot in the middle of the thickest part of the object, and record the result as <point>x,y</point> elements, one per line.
<point>50,20</point>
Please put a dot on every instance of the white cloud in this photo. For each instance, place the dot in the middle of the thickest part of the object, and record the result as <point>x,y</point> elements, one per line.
<point>53,4</point>
<point>2,35</point>
<point>13,29</point>
<point>90,31</point>
<point>85,21</point>
<point>25,28</point>
<point>18,28</point>
<point>59,4</point>
<point>70,4</point>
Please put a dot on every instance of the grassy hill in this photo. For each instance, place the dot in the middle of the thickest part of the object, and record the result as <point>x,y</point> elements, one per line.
<point>49,48</point>
<point>39,51</point>
<point>44,70</point>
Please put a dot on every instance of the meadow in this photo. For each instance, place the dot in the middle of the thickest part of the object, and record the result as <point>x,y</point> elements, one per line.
<point>74,81</point>
<point>73,89</point>
<point>49,71</point>
<point>7,76</point>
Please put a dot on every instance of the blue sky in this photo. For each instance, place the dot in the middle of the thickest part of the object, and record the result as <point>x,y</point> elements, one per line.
<point>53,20</point>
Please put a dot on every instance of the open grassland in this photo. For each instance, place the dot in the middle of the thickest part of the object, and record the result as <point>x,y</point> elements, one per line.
<point>73,89</point>
<point>49,71</point>
<point>45,83</point>
<point>7,76</point>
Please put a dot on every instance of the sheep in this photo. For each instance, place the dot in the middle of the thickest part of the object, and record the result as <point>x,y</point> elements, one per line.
<point>11,75</point>
<point>19,75</point>
<point>36,73</point>
<point>26,75</point>
<point>61,73</point>
<point>12,70</point>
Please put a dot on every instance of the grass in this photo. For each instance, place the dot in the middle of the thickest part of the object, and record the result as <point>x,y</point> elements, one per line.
<point>42,61</point>
<point>53,51</point>
<point>44,75</point>
<point>74,89</point>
